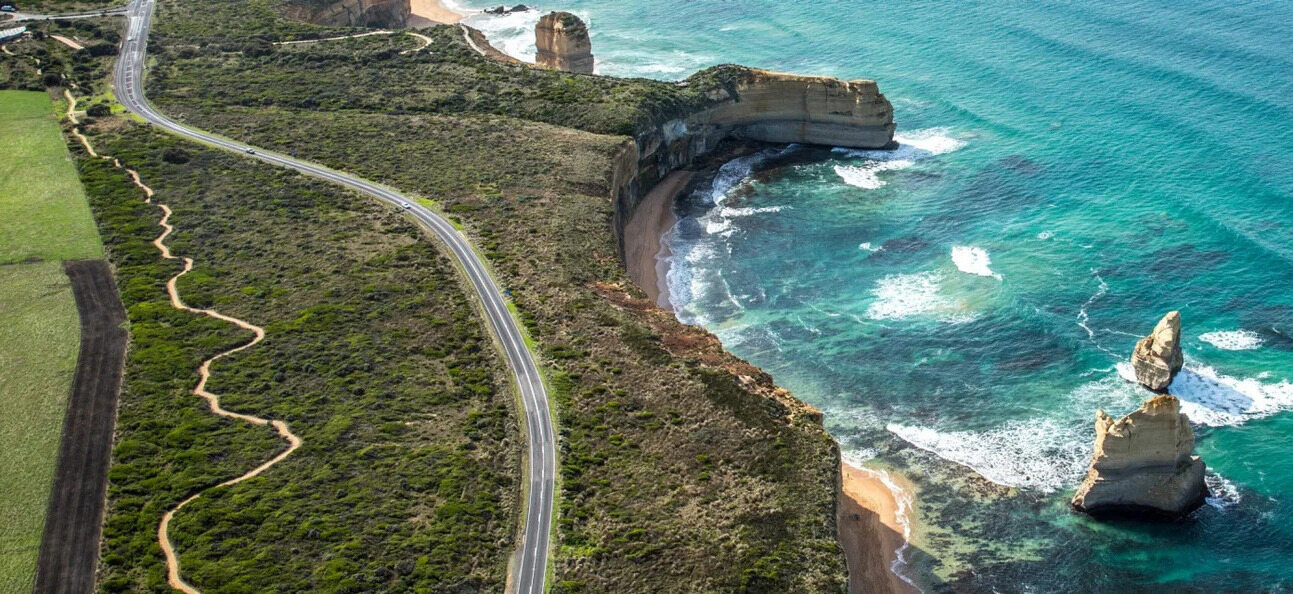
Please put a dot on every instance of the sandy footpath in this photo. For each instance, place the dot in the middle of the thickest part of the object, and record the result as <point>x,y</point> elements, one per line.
<point>425,13</point>
<point>651,219</point>
<point>872,530</point>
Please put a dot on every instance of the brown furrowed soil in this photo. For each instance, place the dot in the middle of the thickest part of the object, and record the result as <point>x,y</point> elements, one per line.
<point>70,544</point>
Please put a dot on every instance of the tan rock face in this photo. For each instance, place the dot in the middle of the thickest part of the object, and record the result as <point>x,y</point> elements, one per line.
<point>1143,464</point>
<point>1158,356</point>
<point>562,40</point>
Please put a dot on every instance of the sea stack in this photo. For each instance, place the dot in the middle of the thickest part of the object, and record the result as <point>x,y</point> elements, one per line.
<point>1143,465</point>
<point>1158,356</point>
<point>563,43</point>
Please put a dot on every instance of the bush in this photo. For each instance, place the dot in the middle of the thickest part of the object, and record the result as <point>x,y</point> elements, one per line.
<point>99,110</point>
<point>102,49</point>
<point>175,155</point>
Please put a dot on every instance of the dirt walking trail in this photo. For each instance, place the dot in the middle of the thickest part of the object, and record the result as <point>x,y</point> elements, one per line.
<point>204,372</point>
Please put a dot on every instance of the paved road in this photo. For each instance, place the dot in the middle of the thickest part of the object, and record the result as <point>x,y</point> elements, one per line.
<point>532,560</point>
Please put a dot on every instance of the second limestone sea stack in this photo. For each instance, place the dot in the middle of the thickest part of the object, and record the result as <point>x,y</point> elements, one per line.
<point>1158,356</point>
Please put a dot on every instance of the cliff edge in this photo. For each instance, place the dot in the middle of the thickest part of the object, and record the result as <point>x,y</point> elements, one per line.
<point>353,13</point>
<point>736,102</point>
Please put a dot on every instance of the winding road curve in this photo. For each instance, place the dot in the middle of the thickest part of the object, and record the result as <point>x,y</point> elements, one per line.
<point>529,570</point>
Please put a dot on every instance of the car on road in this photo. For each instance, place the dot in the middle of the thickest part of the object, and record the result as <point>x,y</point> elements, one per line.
<point>251,151</point>
<point>405,205</point>
<point>8,8</point>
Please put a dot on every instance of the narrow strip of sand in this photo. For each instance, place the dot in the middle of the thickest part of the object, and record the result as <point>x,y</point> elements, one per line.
<point>427,13</point>
<point>874,526</point>
<point>644,255</point>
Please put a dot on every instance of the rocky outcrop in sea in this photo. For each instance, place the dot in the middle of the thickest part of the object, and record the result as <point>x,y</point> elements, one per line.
<point>1158,356</point>
<point>1144,463</point>
<point>563,44</point>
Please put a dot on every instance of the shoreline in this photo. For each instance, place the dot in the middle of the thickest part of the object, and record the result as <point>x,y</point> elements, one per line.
<point>646,255</point>
<point>875,523</point>
<point>428,13</point>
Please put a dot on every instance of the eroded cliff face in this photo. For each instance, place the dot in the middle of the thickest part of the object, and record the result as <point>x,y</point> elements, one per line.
<point>750,104</point>
<point>562,42</point>
<point>361,13</point>
<point>1143,464</point>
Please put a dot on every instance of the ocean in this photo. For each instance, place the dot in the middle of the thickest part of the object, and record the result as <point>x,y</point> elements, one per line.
<point>1068,172</point>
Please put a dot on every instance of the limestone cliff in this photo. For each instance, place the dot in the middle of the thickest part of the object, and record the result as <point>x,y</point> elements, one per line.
<point>563,44</point>
<point>1143,465</point>
<point>751,104</point>
<point>1158,356</point>
<point>359,13</point>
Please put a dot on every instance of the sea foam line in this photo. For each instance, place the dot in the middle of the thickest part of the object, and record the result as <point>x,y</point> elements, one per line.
<point>913,146</point>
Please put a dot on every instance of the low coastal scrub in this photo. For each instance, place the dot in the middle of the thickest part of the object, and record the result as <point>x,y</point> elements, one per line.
<point>409,472</point>
<point>683,468</point>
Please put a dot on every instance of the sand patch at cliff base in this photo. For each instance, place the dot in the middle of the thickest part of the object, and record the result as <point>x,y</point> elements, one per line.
<point>870,532</point>
<point>652,218</point>
<point>427,13</point>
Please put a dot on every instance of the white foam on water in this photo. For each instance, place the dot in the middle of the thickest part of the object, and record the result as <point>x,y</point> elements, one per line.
<point>1044,235</point>
<point>513,33</point>
<point>866,176</point>
<point>1233,340</point>
<point>1224,492</point>
<point>902,296</point>
<point>1040,454</point>
<point>1217,400</point>
<point>867,247</point>
<point>973,260</point>
<point>912,147</point>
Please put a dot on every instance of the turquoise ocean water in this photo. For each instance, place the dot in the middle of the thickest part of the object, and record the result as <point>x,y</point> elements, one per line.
<point>1069,172</point>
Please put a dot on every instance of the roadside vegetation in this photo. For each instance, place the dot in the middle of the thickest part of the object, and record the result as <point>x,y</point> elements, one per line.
<point>683,468</point>
<point>65,6</point>
<point>44,219</point>
<point>408,476</point>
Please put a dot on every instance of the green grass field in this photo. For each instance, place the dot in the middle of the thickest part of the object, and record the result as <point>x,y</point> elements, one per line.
<point>43,216</point>
<point>38,346</point>
<point>43,212</point>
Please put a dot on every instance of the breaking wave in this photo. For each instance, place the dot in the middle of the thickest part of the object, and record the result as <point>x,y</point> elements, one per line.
<point>1044,454</point>
<point>1233,340</point>
<point>902,296</point>
<point>973,260</point>
<point>912,147</point>
<point>1217,400</point>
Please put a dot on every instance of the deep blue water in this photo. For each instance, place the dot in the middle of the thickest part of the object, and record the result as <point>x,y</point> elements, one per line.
<point>1069,173</point>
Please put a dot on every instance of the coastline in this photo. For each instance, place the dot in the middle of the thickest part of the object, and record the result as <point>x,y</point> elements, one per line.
<point>875,524</point>
<point>645,252</point>
<point>427,13</point>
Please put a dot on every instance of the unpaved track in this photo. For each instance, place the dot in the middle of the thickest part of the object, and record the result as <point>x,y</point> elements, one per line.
<point>173,576</point>
<point>68,42</point>
<point>69,546</point>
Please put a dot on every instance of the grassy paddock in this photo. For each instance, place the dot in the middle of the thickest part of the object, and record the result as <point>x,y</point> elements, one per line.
<point>38,345</point>
<point>44,218</point>
<point>43,212</point>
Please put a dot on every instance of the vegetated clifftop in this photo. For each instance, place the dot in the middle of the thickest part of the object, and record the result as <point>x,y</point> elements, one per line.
<point>752,104</point>
<point>684,469</point>
<point>374,13</point>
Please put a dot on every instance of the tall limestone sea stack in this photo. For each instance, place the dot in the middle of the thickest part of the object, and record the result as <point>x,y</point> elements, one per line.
<point>1143,465</point>
<point>562,40</point>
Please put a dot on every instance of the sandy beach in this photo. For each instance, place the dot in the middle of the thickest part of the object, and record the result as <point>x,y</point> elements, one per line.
<point>426,13</point>
<point>872,530</point>
<point>642,248</point>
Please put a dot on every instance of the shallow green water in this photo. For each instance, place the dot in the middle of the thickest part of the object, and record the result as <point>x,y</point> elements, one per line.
<point>1069,173</point>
